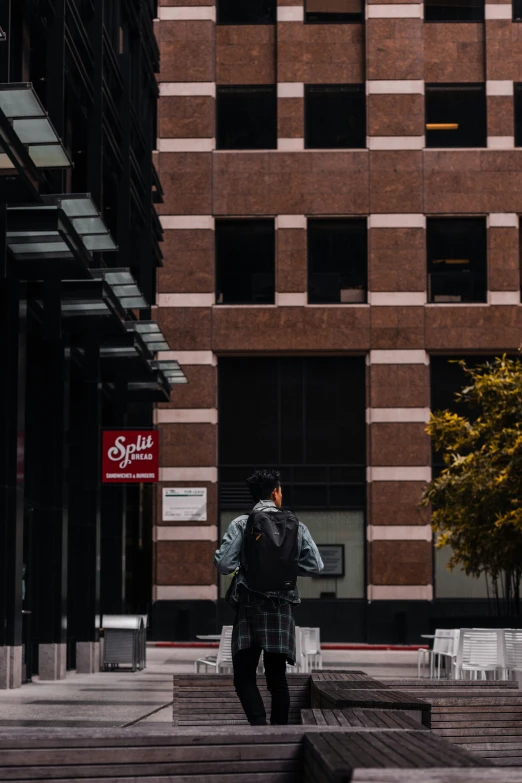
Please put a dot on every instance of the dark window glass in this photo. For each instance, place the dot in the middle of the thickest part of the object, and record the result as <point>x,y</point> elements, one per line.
<point>518,114</point>
<point>457,11</point>
<point>245,253</point>
<point>335,116</point>
<point>446,379</point>
<point>246,11</point>
<point>334,11</point>
<point>276,411</point>
<point>457,259</point>
<point>337,261</point>
<point>456,115</point>
<point>517,10</point>
<point>247,117</point>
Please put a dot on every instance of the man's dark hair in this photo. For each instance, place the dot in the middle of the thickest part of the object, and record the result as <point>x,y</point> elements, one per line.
<point>262,483</point>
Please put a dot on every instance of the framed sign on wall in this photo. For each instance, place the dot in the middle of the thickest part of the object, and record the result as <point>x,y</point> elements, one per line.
<point>184,504</point>
<point>332,556</point>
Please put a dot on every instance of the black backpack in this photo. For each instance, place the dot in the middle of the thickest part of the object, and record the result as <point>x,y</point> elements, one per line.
<point>270,550</point>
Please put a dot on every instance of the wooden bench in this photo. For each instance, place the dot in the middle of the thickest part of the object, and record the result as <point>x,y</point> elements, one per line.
<point>482,716</point>
<point>335,757</point>
<point>211,700</point>
<point>115,756</point>
<point>361,719</point>
<point>327,694</point>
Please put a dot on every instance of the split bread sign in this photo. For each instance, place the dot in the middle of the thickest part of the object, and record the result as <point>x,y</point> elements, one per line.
<point>130,456</point>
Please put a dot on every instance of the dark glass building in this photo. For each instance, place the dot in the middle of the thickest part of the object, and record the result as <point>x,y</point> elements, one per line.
<point>79,249</point>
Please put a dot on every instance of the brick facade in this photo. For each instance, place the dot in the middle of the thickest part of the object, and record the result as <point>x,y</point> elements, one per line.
<point>395,182</point>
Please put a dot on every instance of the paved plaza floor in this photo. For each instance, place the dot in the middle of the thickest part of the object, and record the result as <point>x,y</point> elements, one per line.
<point>127,699</point>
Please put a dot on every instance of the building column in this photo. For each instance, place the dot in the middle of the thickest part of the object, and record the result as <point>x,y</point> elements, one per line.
<point>84,513</point>
<point>114,520</point>
<point>12,402</point>
<point>399,534</point>
<point>47,412</point>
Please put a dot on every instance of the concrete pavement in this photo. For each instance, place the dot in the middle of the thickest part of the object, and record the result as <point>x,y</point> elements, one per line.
<point>127,699</point>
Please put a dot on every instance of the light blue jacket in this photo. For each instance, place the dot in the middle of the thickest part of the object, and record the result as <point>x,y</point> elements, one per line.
<point>228,556</point>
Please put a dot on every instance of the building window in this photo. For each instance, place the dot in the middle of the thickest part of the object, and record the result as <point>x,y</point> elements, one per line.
<point>245,262</point>
<point>448,11</point>
<point>456,115</point>
<point>335,116</point>
<point>246,11</point>
<point>337,261</point>
<point>457,260</point>
<point>275,411</point>
<point>517,10</point>
<point>246,117</point>
<point>446,379</point>
<point>518,113</point>
<point>334,11</point>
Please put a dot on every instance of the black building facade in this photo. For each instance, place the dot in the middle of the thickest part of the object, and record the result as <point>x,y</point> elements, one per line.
<point>79,249</point>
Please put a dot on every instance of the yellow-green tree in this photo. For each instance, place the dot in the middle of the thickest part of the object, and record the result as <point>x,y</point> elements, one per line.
<point>476,500</point>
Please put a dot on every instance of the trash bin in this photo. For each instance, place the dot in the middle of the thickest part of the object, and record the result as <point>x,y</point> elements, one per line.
<point>122,641</point>
<point>143,641</point>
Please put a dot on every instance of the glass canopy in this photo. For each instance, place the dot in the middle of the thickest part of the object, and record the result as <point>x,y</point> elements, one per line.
<point>21,106</point>
<point>170,369</point>
<point>86,220</point>
<point>150,333</point>
<point>124,287</point>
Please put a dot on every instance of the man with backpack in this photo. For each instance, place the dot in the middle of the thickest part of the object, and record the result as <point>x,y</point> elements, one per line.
<point>267,550</point>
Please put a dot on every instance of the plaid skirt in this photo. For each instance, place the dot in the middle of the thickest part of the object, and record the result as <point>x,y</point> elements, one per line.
<point>268,626</point>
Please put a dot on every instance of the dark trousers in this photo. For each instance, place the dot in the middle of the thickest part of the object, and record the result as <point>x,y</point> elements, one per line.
<point>245,665</point>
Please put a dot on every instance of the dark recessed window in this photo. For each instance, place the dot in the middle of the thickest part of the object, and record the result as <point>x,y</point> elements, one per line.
<point>517,10</point>
<point>456,115</point>
<point>245,262</point>
<point>246,11</point>
<point>247,117</point>
<point>334,11</point>
<point>457,11</point>
<point>457,260</point>
<point>335,116</point>
<point>518,114</point>
<point>337,261</point>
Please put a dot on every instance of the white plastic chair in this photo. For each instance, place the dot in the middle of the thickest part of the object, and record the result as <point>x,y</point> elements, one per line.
<point>311,648</point>
<point>481,650</point>
<point>513,648</point>
<point>222,662</point>
<point>422,654</point>
<point>444,646</point>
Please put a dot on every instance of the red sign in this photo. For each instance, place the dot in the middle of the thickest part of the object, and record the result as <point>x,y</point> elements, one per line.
<point>130,456</point>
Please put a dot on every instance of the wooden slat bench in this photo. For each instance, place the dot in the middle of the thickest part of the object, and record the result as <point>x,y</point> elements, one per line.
<point>437,775</point>
<point>361,719</point>
<point>186,756</point>
<point>210,699</point>
<point>341,695</point>
<point>482,716</point>
<point>334,756</point>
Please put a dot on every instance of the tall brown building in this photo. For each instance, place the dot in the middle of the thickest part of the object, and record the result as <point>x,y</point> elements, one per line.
<point>342,198</point>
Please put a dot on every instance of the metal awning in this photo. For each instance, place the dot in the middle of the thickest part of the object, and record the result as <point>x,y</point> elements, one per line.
<point>89,299</point>
<point>40,234</point>
<point>86,306</point>
<point>156,388</point>
<point>170,369</point>
<point>56,239</point>
<point>151,334</point>
<point>124,287</point>
<point>21,106</point>
<point>86,220</point>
